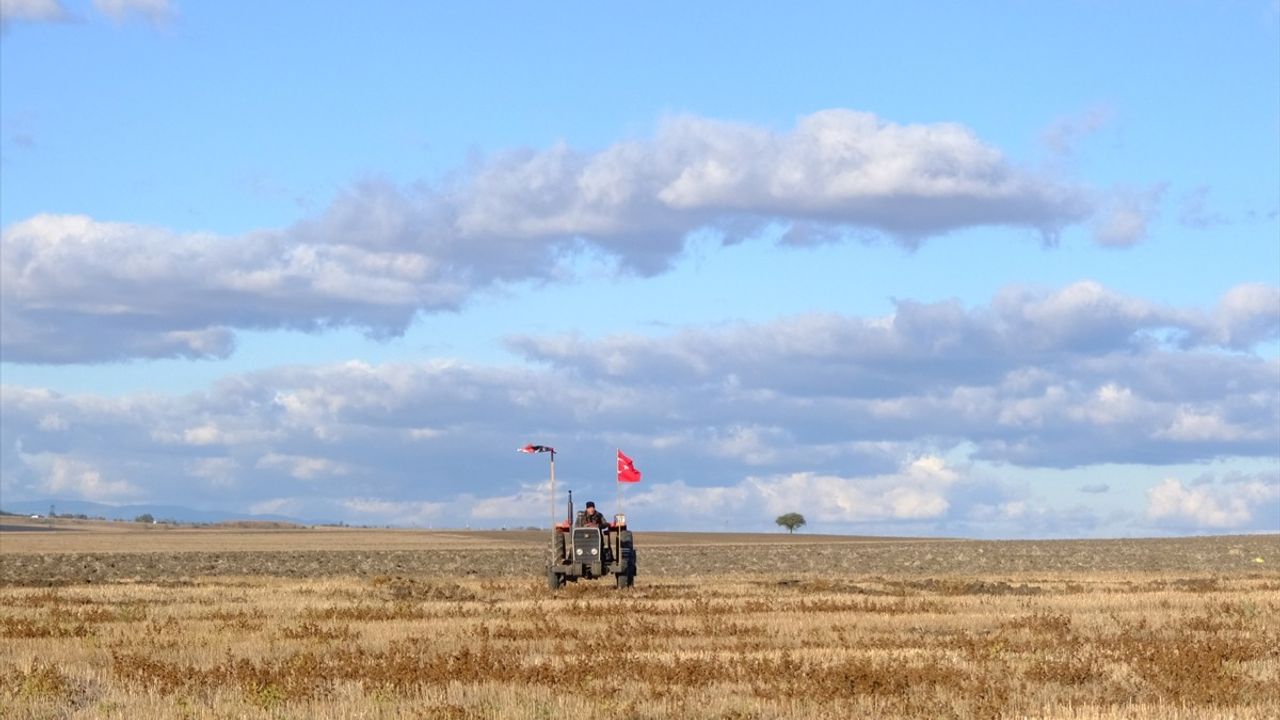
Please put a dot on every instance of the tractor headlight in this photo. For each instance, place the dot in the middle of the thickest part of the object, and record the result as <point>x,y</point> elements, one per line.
<point>579,551</point>
<point>594,551</point>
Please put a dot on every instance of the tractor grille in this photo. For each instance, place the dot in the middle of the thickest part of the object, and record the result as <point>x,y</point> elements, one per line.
<point>587,545</point>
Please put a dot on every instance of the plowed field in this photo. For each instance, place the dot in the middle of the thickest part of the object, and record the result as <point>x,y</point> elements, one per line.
<point>385,624</point>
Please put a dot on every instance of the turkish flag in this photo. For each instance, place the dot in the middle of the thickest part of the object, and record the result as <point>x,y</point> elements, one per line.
<point>627,471</point>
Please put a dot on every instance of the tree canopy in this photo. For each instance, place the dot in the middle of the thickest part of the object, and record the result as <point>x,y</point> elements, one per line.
<point>791,521</point>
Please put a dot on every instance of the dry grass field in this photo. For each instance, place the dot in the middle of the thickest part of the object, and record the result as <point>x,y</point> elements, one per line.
<point>145,623</point>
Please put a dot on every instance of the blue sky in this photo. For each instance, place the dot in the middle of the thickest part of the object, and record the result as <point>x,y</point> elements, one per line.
<point>991,269</point>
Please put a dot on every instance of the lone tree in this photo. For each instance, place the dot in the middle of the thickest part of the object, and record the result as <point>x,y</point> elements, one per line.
<point>145,518</point>
<point>791,521</point>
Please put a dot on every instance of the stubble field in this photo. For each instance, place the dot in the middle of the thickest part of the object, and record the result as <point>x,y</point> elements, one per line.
<point>105,622</point>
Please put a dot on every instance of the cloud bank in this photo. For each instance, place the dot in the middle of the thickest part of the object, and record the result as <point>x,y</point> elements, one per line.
<point>79,289</point>
<point>894,420</point>
<point>1231,503</point>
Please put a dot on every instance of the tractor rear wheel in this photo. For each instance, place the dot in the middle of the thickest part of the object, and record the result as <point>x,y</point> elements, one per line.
<point>625,580</point>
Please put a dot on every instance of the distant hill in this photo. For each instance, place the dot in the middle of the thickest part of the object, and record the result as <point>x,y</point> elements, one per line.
<point>129,512</point>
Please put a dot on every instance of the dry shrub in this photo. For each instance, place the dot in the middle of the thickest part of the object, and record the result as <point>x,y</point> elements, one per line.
<point>1073,669</point>
<point>1187,666</point>
<point>123,613</point>
<point>315,631</point>
<point>366,613</point>
<point>265,683</point>
<point>719,627</point>
<point>1056,624</point>
<point>233,617</point>
<point>1199,585</point>
<point>953,587</point>
<point>402,588</point>
<point>536,628</point>
<point>48,597</point>
<point>41,681</point>
<point>828,585</point>
<point>900,606</point>
<point>21,627</point>
<point>240,620</point>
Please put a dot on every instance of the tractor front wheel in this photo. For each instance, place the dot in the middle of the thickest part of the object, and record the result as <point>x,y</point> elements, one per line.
<point>555,580</point>
<point>625,580</point>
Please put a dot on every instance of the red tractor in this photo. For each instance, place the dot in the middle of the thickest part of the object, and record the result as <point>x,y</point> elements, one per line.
<point>587,551</point>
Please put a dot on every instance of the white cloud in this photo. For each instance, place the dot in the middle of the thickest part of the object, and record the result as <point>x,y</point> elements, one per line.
<point>1246,314</point>
<point>52,422</point>
<point>1065,133</point>
<point>695,502</point>
<point>120,10</point>
<point>1111,404</point>
<point>530,501</point>
<point>753,445</point>
<point>203,435</point>
<point>1127,216</point>
<point>1240,503</point>
<point>303,467</point>
<point>79,289</point>
<point>217,471</point>
<point>156,11</point>
<point>1197,425</point>
<point>67,477</point>
<point>275,506</point>
<point>394,513</point>
<point>919,490</point>
<point>1020,326</point>
<point>1193,211</point>
<point>227,431</point>
<point>32,11</point>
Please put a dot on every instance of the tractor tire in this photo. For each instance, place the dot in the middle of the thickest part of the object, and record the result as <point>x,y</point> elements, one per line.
<point>554,580</point>
<point>625,580</point>
<point>557,549</point>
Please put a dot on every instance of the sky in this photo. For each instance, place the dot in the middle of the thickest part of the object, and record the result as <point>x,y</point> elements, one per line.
<point>980,269</point>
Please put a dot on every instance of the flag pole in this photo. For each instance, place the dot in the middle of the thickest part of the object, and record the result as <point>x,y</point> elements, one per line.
<point>615,481</point>
<point>554,559</point>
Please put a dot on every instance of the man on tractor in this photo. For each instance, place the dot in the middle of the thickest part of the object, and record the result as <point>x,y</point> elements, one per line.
<point>592,518</point>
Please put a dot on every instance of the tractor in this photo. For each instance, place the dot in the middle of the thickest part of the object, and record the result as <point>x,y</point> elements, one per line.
<point>586,552</point>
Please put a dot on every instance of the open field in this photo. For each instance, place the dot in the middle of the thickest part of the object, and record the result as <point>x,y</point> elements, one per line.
<point>362,623</point>
<point>98,536</point>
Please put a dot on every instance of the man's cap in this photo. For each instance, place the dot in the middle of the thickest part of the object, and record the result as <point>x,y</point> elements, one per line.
<point>590,504</point>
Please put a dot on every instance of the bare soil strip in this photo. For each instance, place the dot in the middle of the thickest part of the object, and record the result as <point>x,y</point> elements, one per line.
<point>485,555</point>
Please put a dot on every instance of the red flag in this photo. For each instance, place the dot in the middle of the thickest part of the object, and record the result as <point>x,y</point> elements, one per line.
<point>627,472</point>
<point>536,449</point>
